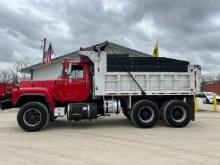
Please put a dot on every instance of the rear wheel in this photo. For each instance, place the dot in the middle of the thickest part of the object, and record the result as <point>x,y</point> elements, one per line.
<point>162,109</point>
<point>33,116</point>
<point>176,113</point>
<point>145,114</point>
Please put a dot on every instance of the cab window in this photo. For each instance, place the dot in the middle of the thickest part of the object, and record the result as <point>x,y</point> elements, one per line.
<point>76,71</point>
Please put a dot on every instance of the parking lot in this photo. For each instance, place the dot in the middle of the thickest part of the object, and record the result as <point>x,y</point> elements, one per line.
<point>112,140</point>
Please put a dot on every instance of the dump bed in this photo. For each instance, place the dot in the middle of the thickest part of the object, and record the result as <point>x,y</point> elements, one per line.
<point>155,76</point>
<point>152,82</point>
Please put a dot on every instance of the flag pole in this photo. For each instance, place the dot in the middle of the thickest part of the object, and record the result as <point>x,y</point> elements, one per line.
<point>44,49</point>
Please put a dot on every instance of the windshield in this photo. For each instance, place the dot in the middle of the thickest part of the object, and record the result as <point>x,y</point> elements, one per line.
<point>209,93</point>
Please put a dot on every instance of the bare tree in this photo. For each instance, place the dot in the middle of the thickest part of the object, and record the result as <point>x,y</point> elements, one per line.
<point>218,76</point>
<point>203,77</point>
<point>5,76</point>
<point>209,77</point>
<point>16,72</point>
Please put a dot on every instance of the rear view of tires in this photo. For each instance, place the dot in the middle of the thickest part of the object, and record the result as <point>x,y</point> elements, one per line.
<point>145,114</point>
<point>33,116</point>
<point>176,113</point>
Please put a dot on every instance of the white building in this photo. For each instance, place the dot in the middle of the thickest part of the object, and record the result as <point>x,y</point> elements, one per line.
<point>43,71</point>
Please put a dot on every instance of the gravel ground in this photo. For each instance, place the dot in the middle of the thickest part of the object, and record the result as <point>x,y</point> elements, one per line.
<point>112,140</point>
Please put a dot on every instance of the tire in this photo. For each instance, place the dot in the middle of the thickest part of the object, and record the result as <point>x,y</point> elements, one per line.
<point>162,109</point>
<point>176,113</point>
<point>145,114</point>
<point>208,102</point>
<point>33,116</point>
<point>126,114</point>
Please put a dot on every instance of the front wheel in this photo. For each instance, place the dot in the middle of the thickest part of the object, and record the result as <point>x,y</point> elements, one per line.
<point>33,116</point>
<point>145,114</point>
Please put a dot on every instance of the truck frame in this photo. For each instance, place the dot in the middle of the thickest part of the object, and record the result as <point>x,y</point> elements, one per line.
<point>96,84</point>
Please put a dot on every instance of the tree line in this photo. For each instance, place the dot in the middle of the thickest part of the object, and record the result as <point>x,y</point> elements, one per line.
<point>13,73</point>
<point>210,77</point>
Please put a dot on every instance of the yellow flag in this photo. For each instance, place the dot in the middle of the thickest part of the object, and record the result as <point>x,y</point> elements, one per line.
<point>156,51</point>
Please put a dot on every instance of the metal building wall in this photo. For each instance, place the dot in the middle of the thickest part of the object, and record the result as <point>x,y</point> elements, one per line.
<point>211,87</point>
<point>47,72</point>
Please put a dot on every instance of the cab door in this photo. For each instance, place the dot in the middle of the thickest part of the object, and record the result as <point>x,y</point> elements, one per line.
<point>74,88</point>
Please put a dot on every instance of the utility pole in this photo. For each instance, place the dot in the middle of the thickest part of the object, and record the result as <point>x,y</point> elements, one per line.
<point>44,48</point>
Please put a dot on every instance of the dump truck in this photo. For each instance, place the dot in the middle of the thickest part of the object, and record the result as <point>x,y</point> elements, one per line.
<point>96,84</point>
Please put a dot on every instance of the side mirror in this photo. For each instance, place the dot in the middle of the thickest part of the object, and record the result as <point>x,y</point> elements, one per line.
<point>65,69</point>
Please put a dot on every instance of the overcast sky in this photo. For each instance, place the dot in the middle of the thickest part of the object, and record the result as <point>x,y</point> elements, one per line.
<point>186,29</point>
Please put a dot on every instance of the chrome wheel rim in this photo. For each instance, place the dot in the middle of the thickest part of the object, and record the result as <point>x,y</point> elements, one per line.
<point>178,114</point>
<point>146,114</point>
<point>32,117</point>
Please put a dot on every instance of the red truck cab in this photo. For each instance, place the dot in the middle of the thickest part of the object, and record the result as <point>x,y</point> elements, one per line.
<point>72,86</point>
<point>75,83</point>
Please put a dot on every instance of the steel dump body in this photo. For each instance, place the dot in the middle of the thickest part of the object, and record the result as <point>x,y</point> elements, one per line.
<point>185,80</point>
<point>153,84</point>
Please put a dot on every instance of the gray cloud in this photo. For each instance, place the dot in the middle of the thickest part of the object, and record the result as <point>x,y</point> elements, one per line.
<point>188,30</point>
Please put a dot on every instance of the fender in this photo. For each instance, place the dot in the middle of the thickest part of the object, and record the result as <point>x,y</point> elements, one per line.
<point>43,92</point>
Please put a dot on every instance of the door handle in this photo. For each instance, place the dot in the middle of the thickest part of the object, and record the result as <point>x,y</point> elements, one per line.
<point>77,82</point>
<point>83,82</point>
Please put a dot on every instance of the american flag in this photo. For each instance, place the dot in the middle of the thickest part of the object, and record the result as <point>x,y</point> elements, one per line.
<point>48,55</point>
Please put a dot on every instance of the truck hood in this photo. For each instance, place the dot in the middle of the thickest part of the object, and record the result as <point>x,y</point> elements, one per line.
<point>37,83</point>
